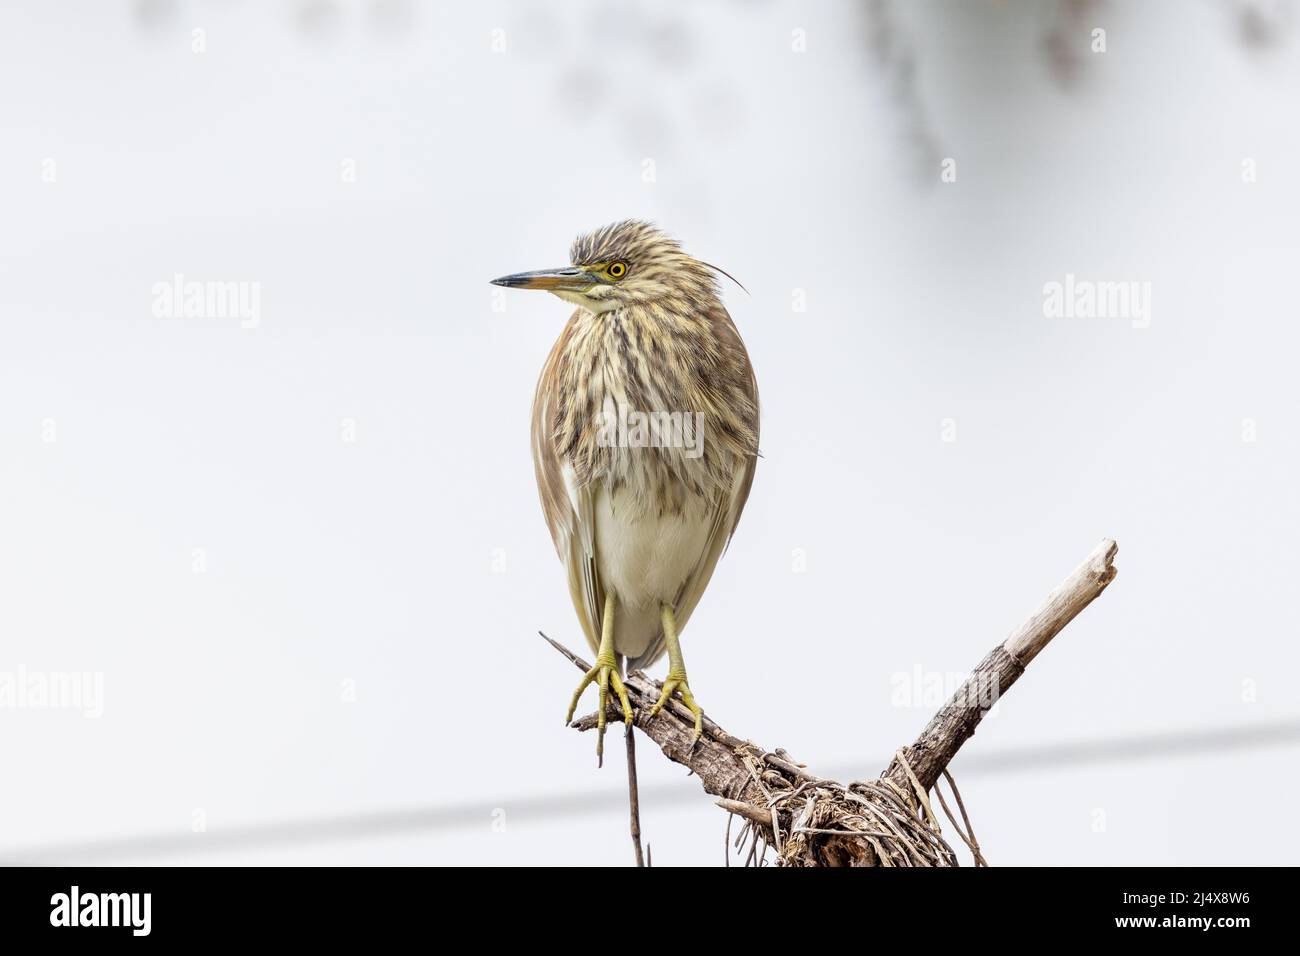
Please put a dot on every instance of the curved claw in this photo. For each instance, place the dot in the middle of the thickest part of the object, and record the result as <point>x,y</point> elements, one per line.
<point>604,675</point>
<point>678,684</point>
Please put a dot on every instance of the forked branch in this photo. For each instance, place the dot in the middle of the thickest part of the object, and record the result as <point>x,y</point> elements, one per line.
<point>811,821</point>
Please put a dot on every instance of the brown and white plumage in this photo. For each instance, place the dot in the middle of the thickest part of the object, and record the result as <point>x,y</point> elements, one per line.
<point>647,523</point>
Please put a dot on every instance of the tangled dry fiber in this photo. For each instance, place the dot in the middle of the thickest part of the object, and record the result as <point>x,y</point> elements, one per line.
<point>821,822</point>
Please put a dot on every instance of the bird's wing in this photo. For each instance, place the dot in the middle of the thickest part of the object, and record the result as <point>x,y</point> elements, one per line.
<point>569,510</point>
<point>726,515</point>
<point>585,586</point>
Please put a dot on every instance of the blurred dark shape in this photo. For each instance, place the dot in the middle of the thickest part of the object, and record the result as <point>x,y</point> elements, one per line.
<point>1262,24</point>
<point>581,91</point>
<point>1068,40</point>
<point>593,88</point>
<point>154,13</point>
<point>895,58</point>
<point>1062,58</point>
<point>318,18</point>
<point>670,44</point>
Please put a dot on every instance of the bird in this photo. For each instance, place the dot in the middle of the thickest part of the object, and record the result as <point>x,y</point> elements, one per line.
<point>645,428</point>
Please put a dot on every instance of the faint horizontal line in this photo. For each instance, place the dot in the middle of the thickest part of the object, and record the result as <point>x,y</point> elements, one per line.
<point>477,814</point>
<point>1138,747</point>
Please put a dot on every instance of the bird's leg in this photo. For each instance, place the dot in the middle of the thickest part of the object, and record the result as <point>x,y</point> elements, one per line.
<point>603,674</point>
<point>676,679</point>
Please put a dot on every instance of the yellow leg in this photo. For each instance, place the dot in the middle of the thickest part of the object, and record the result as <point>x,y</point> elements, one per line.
<point>603,674</point>
<point>676,680</point>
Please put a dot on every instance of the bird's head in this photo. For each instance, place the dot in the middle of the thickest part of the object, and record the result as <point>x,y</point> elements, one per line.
<point>623,264</point>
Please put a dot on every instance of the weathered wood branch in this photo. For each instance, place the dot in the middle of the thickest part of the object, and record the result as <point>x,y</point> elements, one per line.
<point>816,822</point>
<point>956,722</point>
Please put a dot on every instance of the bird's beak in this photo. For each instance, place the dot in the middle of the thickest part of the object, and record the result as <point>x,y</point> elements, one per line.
<point>567,279</point>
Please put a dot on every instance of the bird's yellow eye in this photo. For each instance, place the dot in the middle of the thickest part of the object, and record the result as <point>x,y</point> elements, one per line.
<point>617,270</point>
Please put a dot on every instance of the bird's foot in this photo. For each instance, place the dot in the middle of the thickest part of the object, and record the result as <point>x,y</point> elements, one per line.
<point>604,675</point>
<point>677,683</point>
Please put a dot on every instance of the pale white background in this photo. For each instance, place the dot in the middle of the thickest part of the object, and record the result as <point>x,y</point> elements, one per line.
<point>379,562</point>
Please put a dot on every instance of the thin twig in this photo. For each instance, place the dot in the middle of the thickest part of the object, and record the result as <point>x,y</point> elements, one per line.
<point>970,830</point>
<point>967,835</point>
<point>633,795</point>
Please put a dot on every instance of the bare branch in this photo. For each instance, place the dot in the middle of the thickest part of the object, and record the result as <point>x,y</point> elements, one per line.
<point>956,722</point>
<point>887,822</point>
